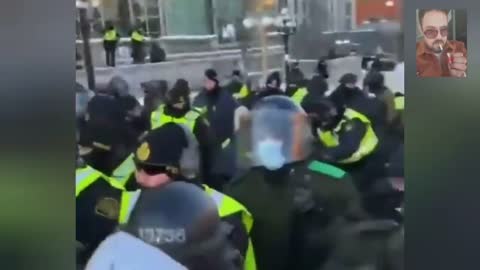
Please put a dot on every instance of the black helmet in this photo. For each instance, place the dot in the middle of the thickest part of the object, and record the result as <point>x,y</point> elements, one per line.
<point>322,111</point>
<point>376,80</point>
<point>212,75</point>
<point>348,78</point>
<point>180,93</point>
<point>274,80</point>
<point>182,221</point>
<point>118,86</point>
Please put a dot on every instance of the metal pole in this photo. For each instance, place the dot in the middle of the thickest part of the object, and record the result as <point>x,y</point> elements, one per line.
<point>286,36</point>
<point>87,55</point>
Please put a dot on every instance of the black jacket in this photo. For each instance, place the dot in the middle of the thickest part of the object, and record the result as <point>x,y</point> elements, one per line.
<point>97,209</point>
<point>297,210</point>
<point>205,138</point>
<point>359,101</point>
<point>220,109</point>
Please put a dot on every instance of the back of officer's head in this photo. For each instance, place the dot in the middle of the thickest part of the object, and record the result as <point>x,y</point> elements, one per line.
<point>179,95</point>
<point>118,86</point>
<point>321,110</point>
<point>274,80</point>
<point>182,221</point>
<point>159,155</point>
<point>376,81</point>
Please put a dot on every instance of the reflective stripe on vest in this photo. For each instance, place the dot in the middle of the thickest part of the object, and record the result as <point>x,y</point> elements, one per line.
<point>243,93</point>
<point>84,177</point>
<point>399,103</point>
<point>122,173</point>
<point>368,143</point>
<point>137,36</point>
<point>127,203</point>
<point>159,118</point>
<point>299,95</point>
<point>110,35</point>
<point>227,206</point>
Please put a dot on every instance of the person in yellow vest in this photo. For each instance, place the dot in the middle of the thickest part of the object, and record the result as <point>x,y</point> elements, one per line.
<point>110,41</point>
<point>137,41</point>
<point>176,109</point>
<point>162,158</point>
<point>347,139</point>
<point>238,87</point>
<point>399,107</point>
<point>97,208</point>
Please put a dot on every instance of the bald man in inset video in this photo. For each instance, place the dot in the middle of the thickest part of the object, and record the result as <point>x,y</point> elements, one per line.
<point>436,55</point>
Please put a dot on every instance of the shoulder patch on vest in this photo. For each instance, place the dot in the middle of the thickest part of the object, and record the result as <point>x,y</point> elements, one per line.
<point>327,169</point>
<point>108,208</point>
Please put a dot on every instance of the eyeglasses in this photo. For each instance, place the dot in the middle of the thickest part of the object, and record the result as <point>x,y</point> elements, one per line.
<point>150,169</point>
<point>433,32</point>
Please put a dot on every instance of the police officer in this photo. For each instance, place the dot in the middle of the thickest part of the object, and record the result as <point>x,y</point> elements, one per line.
<point>169,154</point>
<point>103,138</point>
<point>220,108</point>
<point>137,41</point>
<point>110,41</point>
<point>298,202</point>
<point>237,86</point>
<point>272,88</point>
<point>317,86</point>
<point>131,110</point>
<point>398,123</point>
<point>97,206</point>
<point>175,227</point>
<point>375,68</point>
<point>177,109</point>
<point>376,85</point>
<point>348,140</point>
<point>296,79</point>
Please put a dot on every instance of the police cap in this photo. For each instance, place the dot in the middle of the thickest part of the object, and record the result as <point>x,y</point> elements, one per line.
<point>162,146</point>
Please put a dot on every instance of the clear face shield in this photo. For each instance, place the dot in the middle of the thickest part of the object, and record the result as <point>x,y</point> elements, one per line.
<point>276,133</point>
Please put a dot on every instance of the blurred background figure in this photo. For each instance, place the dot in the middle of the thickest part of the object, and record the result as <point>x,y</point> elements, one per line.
<point>137,40</point>
<point>110,41</point>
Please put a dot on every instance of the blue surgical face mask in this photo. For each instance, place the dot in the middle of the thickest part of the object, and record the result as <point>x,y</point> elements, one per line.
<point>269,154</point>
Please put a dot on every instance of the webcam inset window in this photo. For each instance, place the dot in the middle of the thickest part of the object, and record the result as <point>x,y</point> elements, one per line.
<point>441,43</point>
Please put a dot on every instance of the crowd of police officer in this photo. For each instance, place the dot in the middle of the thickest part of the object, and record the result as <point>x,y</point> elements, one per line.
<point>241,178</point>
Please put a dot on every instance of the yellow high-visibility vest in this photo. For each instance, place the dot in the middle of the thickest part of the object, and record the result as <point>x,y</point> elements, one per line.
<point>158,118</point>
<point>299,95</point>
<point>84,177</point>
<point>137,36</point>
<point>110,35</point>
<point>243,93</point>
<point>399,103</point>
<point>368,143</point>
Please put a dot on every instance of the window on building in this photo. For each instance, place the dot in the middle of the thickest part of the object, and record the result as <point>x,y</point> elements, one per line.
<point>147,13</point>
<point>229,18</point>
<point>187,17</point>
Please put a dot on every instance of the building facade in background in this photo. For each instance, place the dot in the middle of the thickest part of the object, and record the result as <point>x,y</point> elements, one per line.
<point>171,17</point>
